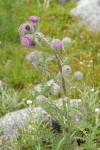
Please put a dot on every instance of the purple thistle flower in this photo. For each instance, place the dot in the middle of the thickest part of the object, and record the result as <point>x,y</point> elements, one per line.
<point>34,19</point>
<point>56,43</point>
<point>27,41</point>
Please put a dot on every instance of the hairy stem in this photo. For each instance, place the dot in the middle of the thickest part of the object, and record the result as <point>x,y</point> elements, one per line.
<point>57,58</point>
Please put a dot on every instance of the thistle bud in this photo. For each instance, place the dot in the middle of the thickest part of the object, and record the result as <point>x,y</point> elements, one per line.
<point>34,19</point>
<point>26,28</point>
<point>28,41</point>
<point>66,70</point>
<point>66,42</point>
<point>31,57</point>
<point>36,58</point>
<point>56,44</point>
<point>78,75</point>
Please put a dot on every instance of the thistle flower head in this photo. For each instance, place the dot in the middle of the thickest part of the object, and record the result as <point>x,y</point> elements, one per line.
<point>28,41</point>
<point>36,58</point>
<point>66,42</point>
<point>78,75</point>
<point>56,44</point>
<point>66,70</point>
<point>34,19</point>
<point>31,57</point>
<point>26,28</point>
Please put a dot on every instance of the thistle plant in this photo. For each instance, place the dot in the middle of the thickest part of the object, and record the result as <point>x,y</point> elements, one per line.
<point>33,38</point>
<point>69,118</point>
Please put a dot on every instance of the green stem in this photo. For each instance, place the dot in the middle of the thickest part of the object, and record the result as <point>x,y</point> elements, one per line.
<point>57,58</point>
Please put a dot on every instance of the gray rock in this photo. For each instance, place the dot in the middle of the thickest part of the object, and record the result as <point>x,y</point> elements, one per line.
<point>88,12</point>
<point>12,121</point>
